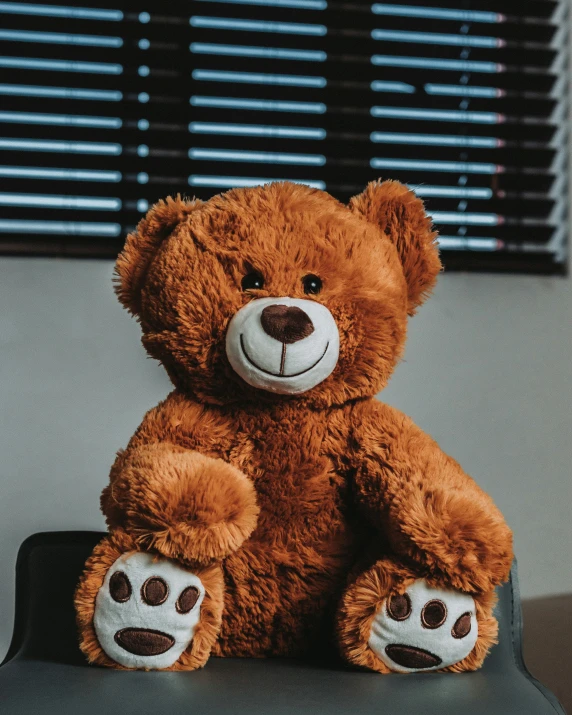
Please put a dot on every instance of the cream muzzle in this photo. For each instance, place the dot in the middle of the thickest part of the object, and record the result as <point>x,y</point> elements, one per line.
<point>284,345</point>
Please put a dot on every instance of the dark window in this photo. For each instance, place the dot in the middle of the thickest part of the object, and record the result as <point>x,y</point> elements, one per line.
<point>104,110</point>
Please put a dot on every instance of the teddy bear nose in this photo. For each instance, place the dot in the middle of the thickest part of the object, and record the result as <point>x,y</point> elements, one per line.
<point>286,323</point>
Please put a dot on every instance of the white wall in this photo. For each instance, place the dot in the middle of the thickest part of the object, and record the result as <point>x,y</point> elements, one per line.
<point>488,372</point>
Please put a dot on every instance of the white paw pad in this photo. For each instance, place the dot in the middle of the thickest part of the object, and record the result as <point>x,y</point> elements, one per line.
<point>424,629</point>
<point>147,610</point>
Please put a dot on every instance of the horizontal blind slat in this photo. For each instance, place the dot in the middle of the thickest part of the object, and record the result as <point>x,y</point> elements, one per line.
<point>105,109</point>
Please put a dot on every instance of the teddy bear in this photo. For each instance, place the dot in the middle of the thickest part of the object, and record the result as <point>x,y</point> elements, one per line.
<point>270,505</point>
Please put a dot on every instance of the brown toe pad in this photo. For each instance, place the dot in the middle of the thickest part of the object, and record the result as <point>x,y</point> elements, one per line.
<point>141,641</point>
<point>409,656</point>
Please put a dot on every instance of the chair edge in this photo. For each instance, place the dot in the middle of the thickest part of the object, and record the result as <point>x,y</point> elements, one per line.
<point>517,641</point>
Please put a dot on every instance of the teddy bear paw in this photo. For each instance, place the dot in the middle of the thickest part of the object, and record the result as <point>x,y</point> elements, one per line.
<point>424,629</point>
<point>147,610</point>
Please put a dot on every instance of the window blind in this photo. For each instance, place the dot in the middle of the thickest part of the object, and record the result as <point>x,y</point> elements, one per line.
<point>104,110</point>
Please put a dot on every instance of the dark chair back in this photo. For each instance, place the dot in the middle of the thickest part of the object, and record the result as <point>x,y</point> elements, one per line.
<point>44,647</point>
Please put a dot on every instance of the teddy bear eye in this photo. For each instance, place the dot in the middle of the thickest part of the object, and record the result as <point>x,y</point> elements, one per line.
<point>312,284</point>
<point>252,281</point>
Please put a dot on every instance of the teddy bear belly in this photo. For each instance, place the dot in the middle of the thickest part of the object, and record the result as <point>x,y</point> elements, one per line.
<point>282,585</point>
<point>280,598</point>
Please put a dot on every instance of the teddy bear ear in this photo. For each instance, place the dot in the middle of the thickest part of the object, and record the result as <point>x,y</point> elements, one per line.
<point>142,245</point>
<point>401,216</point>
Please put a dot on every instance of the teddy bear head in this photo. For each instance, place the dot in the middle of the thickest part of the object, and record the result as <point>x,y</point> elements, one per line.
<point>279,292</point>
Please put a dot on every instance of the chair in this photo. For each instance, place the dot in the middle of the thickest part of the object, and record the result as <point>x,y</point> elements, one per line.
<point>44,671</point>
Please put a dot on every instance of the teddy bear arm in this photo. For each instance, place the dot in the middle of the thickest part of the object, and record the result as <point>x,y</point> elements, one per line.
<point>179,502</point>
<point>430,510</point>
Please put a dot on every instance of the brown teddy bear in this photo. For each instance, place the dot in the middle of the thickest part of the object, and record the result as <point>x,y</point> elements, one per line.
<point>270,506</point>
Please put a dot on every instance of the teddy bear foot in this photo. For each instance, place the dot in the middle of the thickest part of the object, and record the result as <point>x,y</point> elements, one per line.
<point>424,629</point>
<point>136,609</point>
<point>147,610</point>
<point>392,620</point>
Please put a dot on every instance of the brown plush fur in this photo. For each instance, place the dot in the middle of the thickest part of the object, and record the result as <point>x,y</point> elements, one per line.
<point>291,494</point>
<point>182,504</point>
<point>400,215</point>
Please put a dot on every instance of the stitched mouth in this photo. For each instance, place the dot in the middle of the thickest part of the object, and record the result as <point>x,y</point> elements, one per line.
<point>276,374</point>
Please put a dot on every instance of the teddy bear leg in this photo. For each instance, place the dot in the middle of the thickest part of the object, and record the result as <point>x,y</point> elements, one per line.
<point>139,610</point>
<point>394,620</point>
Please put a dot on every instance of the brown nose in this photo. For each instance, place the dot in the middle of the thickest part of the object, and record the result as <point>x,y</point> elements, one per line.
<point>286,323</point>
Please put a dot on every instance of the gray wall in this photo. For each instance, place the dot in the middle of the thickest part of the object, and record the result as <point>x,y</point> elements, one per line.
<point>488,372</point>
